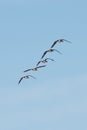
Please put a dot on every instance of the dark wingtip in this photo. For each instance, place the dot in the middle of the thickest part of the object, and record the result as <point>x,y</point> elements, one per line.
<point>25,71</point>
<point>18,82</point>
<point>51,47</point>
<point>42,57</point>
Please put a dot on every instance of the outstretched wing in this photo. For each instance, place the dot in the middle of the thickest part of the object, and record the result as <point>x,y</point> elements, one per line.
<point>27,70</point>
<point>49,59</point>
<point>57,51</point>
<point>32,76</point>
<point>54,43</point>
<point>44,54</point>
<point>67,40</point>
<point>20,80</point>
<point>41,66</point>
<point>38,63</point>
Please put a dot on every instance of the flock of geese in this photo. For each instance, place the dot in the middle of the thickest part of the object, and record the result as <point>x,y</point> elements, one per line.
<point>43,60</point>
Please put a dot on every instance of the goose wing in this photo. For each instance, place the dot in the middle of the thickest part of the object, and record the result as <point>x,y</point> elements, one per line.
<point>41,66</point>
<point>54,43</point>
<point>32,76</point>
<point>38,63</point>
<point>27,70</point>
<point>20,79</point>
<point>44,54</point>
<point>57,51</point>
<point>67,40</point>
<point>49,59</point>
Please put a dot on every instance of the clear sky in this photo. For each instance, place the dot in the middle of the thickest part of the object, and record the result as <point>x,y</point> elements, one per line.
<point>57,98</point>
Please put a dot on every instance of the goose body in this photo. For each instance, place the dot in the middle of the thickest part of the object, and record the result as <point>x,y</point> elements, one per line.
<point>35,69</point>
<point>44,61</point>
<point>25,77</point>
<point>59,41</point>
<point>50,50</point>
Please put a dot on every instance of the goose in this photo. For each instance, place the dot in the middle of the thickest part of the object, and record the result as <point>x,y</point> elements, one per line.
<point>44,61</point>
<point>59,41</point>
<point>25,77</point>
<point>50,50</point>
<point>35,69</point>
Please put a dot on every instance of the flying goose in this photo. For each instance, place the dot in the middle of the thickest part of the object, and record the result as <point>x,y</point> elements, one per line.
<point>26,77</point>
<point>59,41</point>
<point>35,69</point>
<point>50,50</point>
<point>44,61</point>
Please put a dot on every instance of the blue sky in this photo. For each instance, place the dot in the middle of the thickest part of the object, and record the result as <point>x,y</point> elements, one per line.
<point>57,99</point>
